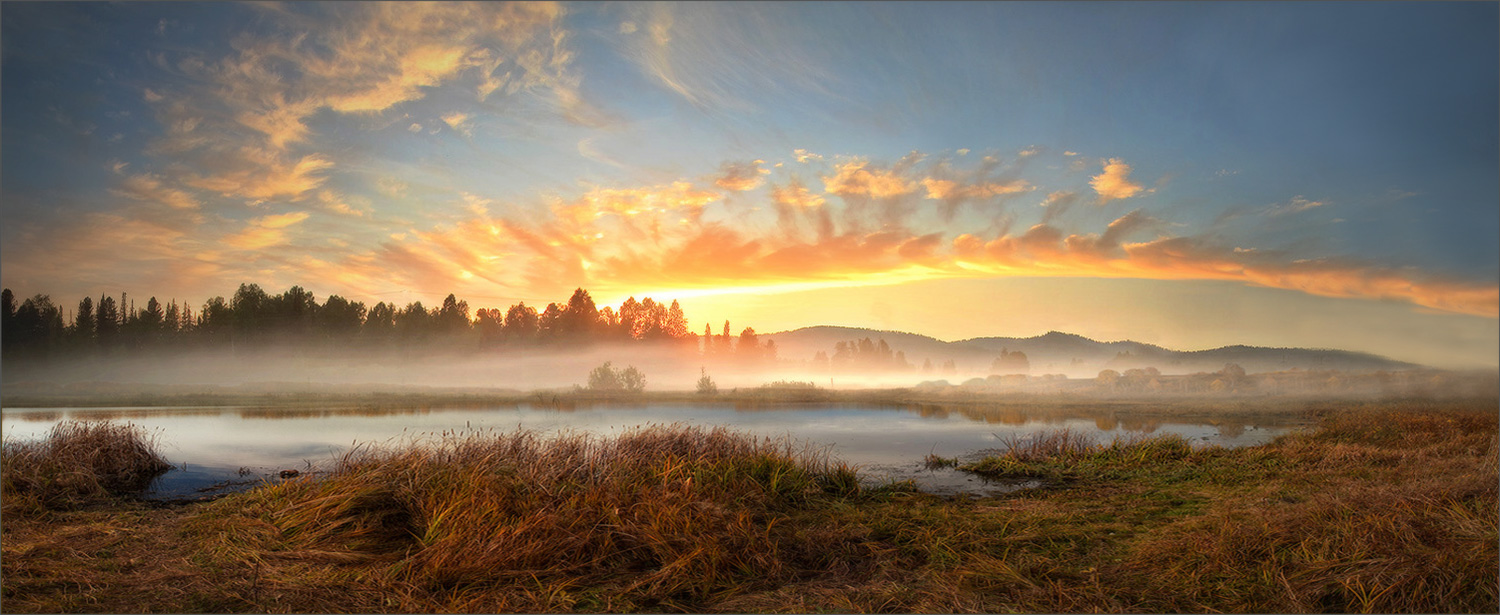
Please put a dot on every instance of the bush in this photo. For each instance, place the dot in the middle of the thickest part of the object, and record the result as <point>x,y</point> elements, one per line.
<point>706,385</point>
<point>610,380</point>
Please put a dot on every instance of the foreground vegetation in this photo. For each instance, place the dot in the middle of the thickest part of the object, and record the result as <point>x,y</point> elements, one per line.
<point>1386,507</point>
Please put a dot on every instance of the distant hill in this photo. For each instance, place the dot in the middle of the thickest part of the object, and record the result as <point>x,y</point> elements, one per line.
<point>1077,356</point>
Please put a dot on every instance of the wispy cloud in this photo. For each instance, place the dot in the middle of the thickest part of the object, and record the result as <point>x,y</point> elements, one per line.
<point>265,231</point>
<point>941,189</point>
<point>241,125</point>
<point>741,176</point>
<point>147,187</point>
<point>1296,205</point>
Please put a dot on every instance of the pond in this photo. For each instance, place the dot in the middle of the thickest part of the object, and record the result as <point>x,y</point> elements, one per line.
<point>215,446</point>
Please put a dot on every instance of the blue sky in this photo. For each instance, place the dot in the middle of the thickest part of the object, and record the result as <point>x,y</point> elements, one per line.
<point>1333,152</point>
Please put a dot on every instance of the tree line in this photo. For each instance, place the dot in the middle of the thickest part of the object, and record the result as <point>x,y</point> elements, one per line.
<point>251,318</point>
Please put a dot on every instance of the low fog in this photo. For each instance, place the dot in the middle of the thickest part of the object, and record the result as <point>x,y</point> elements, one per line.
<point>674,368</point>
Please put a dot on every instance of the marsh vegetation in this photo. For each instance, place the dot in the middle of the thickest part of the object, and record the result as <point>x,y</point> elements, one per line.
<point>1384,507</point>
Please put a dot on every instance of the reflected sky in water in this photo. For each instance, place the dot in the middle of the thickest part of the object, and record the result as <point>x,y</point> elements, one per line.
<point>885,441</point>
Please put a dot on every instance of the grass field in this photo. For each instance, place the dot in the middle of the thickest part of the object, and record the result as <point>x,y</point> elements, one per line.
<point>1384,507</point>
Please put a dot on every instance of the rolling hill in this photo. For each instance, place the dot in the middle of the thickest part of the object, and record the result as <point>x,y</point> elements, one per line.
<point>1077,356</point>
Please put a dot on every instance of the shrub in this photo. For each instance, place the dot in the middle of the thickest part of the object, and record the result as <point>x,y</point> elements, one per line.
<point>610,380</point>
<point>706,385</point>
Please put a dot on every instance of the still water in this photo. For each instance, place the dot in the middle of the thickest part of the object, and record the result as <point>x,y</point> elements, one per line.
<point>212,445</point>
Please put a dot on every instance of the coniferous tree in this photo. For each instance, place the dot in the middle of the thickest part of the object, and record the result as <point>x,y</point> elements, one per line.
<point>83,324</point>
<point>172,319</point>
<point>453,318</point>
<point>580,319</point>
<point>107,322</point>
<point>8,316</point>
<point>380,323</point>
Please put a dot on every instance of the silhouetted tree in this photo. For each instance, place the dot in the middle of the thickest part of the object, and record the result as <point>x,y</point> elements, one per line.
<point>215,321</point>
<point>172,319</point>
<point>148,322</point>
<point>548,323</point>
<point>251,306</point>
<point>8,317</point>
<point>749,347</point>
<point>413,322</point>
<point>491,327</point>
<point>38,325</point>
<point>453,318</point>
<point>107,322</point>
<point>521,324</point>
<point>83,323</point>
<point>579,321</point>
<point>340,319</point>
<point>380,323</point>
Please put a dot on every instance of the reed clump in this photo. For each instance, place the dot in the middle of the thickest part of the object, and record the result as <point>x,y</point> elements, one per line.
<point>657,515</point>
<point>76,463</point>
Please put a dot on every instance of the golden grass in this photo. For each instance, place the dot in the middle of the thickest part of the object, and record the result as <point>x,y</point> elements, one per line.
<point>665,514</point>
<point>77,463</point>
<point>1386,507</point>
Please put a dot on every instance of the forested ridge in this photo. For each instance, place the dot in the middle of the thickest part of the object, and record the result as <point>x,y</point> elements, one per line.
<point>252,318</point>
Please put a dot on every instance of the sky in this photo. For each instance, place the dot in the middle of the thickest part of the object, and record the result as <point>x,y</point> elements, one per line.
<point>1186,174</point>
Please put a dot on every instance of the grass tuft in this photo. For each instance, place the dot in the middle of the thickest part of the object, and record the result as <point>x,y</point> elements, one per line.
<point>685,514</point>
<point>75,464</point>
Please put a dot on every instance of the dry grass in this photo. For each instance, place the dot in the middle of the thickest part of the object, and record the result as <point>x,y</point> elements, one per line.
<point>1386,512</point>
<point>660,515</point>
<point>77,463</point>
<point>1387,507</point>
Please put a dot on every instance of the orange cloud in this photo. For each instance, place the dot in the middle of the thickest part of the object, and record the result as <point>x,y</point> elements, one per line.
<point>259,174</point>
<point>1114,182</point>
<point>795,195</point>
<point>265,231</point>
<point>858,178</point>
<point>149,188</point>
<point>943,189</point>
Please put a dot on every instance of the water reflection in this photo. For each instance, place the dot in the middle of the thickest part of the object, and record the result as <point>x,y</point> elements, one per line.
<point>888,441</point>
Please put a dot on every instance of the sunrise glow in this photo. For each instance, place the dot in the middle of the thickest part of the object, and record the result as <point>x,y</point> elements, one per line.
<point>722,154</point>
